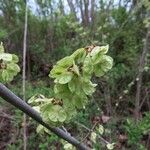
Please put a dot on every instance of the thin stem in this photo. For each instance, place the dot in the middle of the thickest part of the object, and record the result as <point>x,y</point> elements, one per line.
<point>24,76</point>
<point>99,136</point>
<point>88,134</point>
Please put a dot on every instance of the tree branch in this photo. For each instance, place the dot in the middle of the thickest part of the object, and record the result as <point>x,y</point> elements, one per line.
<point>10,97</point>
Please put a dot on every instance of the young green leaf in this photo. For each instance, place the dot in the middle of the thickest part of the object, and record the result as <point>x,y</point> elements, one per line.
<point>8,66</point>
<point>5,75</point>
<point>88,87</point>
<point>69,146</point>
<point>103,66</point>
<point>75,69</point>
<point>64,78</point>
<point>65,62</point>
<point>79,55</point>
<point>72,85</point>
<point>56,113</point>
<point>110,146</point>
<point>87,68</point>
<point>100,129</point>
<point>99,50</point>
<point>6,57</point>
<point>1,48</point>
<point>15,58</point>
<point>93,137</point>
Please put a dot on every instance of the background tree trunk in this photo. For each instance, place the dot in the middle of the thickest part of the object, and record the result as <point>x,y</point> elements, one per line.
<point>72,8</point>
<point>86,12</point>
<point>140,74</point>
<point>93,13</point>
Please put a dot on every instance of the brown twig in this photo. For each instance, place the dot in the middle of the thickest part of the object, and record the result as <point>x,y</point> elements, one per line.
<point>143,100</point>
<point>88,134</point>
<point>99,136</point>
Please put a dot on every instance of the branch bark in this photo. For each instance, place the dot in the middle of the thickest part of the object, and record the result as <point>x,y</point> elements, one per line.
<point>10,97</point>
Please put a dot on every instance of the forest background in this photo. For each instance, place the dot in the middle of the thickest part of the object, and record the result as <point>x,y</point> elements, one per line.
<point>121,103</point>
